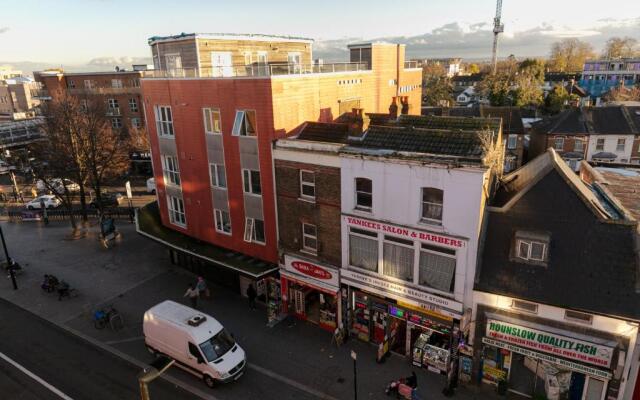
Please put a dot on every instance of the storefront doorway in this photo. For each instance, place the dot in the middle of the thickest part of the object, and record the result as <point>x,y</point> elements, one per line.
<point>313,305</point>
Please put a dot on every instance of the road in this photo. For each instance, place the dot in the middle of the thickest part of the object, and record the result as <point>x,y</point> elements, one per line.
<point>54,357</point>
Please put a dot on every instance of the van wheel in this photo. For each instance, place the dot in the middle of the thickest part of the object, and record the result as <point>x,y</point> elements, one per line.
<point>209,381</point>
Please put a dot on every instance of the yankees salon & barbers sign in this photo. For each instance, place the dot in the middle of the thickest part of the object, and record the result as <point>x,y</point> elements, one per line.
<point>563,346</point>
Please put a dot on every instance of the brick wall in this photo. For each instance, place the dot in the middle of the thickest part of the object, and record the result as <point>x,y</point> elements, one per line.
<point>324,213</point>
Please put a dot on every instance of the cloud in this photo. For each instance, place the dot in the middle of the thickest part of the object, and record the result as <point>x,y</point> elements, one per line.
<point>125,61</point>
<point>474,41</point>
<point>4,29</point>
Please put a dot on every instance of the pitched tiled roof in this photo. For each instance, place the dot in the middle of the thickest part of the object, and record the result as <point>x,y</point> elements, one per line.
<point>466,144</point>
<point>511,118</point>
<point>325,132</point>
<point>615,120</point>
<point>450,123</point>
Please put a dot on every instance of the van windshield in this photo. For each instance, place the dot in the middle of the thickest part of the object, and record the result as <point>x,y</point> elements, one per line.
<point>217,346</point>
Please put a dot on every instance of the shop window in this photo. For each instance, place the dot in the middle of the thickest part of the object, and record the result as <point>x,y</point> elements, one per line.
<point>437,268</point>
<point>307,185</point>
<point>525,306</point>
<point>176,211</point>
<point>170,170</point>
<point>364,197</point>
<point>578,317</point>
<point>531,247</point>
<point>432,205</point>
<point>251,180</point>
<point>254,230</point>
<point>363,249</point>
<point>309,237</point>
<point>211,120</point>
<point>244,123</point>
<point>218,175</point>
<point>223,221</point>
<point>398,258</point>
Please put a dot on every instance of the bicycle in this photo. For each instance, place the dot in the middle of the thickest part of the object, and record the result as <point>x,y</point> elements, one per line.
<point>110,316</point>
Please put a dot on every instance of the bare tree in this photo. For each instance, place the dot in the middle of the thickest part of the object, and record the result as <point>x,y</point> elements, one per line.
<point>623,93</point>
<point>618,47</point>
<point>569,55</point>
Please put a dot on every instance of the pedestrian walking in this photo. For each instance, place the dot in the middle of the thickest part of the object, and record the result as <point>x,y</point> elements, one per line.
<point>192,294</point>
<point>252,294</point>
<point>201,286</point>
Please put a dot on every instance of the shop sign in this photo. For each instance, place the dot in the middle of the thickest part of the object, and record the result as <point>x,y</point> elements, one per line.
<point>550,343</point>
<point>406,232</point>
<point>387,288</point>
<point>585,369</point>
<point>311,270</point>
<point>495,373</point>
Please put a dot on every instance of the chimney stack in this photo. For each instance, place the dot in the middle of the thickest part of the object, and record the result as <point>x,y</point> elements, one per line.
<point>357,123</point>
<point>404,100</point>
<point>393,109</point>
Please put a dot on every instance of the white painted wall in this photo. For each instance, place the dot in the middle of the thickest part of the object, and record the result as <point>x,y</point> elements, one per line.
<point>397,200</point>
<point>610,146</point>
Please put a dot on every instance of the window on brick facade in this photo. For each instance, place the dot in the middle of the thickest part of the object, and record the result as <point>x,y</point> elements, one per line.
<point>578,145</point>
<point>307,185</point>
<point>432,205</point>
<point>136,122</point>
<point>164,120</point>
<point>223,221</point>
<point>364,194</point>
<point>251,181</point>
<point>309,237</point>
<point>133,105</point>
<point>254,230</point>
<point>116,123</point>
<point>363,249</point>
<point>600,144</point>
<point>211,120</point>
<point>559,144</point>
<point>170,170</point>
<point>176,211</point>
<point>620,145</point>
<point>116,83</point>
<point>218,175</point>
<point>71,84</point>
<point>89,84</point>
<point>244,123</point>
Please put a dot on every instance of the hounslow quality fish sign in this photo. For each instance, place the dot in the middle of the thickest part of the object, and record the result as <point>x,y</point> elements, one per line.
<point>550,343</point>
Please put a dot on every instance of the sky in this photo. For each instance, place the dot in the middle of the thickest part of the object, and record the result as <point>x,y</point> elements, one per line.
<point>98,34</point>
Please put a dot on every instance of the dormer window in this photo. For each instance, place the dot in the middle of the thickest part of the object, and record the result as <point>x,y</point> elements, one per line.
<point>531,247</point>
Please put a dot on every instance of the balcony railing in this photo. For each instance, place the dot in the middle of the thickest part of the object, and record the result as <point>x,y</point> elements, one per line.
<point>104,90</point>
<point>411,64</point>
<point>256,70</point>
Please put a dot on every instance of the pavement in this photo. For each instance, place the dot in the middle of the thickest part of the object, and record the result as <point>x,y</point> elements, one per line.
<point>293,360</point>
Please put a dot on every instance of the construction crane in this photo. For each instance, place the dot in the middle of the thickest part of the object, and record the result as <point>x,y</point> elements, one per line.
<point>498,28</point>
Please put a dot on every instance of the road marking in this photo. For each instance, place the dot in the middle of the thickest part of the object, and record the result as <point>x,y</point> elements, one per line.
<point>291,382</point>
<point>131,339</point>
<point>35,377</point>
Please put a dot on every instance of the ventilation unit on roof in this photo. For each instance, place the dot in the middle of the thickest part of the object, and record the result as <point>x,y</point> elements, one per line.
<point>196,320</point>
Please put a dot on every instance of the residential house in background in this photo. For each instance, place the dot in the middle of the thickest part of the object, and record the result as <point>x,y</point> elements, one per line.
<point>555,306</point>
<point>215,122</point>
<point>599,134</point>
<point>16,97</point>
<point>600,76</point>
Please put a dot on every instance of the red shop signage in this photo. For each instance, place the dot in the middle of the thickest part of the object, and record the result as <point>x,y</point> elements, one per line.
<point>311,270</point>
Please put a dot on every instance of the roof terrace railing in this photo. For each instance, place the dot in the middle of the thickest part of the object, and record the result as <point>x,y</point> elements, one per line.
<point>411,64</point>
<point>256,70</point>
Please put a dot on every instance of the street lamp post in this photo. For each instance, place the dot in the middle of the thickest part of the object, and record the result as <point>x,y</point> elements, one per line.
<point>155,369</point>
<point>6,254</point>
<point>355,376</point>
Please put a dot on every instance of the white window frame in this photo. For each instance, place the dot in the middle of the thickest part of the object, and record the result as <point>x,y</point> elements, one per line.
<point>247,182</point>
<point>212,121</point>
<point>116,83</point>
<point>248,58</point>
<point>136,122</point>
<point>400,242</point>
<point>422,207</point>
<point>529,243</point>
<point>116,122</point>
<point>428,248</point>
<point>113,104</point>
<point>556,141</point>
<point>170,170</point>
<point>250,231</point>
<point>175,59</point>
<point>240,124</point>
<point>575,145</point>
<point>356,192</point>
<point>263,57</point>
<point>373,236</point>
<point>219,221</point>
<point>89,84</point>
<point>175,214</point>
<point>221,70</point>
<point>598,142</point>
<point>214,175</point>
<point>512,142</point>
<point>164,121</point>
<point>308,184</point>
<point>133,105</point>
<point>306,236</point>
<point>624,144</point>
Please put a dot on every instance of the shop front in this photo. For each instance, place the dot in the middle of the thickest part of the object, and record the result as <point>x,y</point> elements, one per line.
<point>535,360</point>
<point>310,291</point>
<point>402,320</point>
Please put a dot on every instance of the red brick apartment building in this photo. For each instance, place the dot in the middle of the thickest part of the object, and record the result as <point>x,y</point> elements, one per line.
<point>218,102</point>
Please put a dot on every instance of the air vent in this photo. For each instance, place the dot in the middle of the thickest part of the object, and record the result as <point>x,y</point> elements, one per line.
<point>196,320</point>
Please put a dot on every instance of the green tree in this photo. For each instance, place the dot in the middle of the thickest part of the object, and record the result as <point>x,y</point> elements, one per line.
<point>497,89</point>
<point>556,100</point>
<point>569,55</point>
<point>437,91</point>
<point>618,47</point>
<point>528,83</point>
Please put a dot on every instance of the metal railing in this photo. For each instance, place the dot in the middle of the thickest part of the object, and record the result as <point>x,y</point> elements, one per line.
<point>411,64</point>
<point>22,132</point>
<point>256,70</point>
<point>104,90</point>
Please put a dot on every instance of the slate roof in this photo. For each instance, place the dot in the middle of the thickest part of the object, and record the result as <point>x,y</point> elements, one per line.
<point>613,120</point>
<point>625,186</point>
<point>593,263</point>
<point>450,123</point>
<point>325,132</point>
<point>511,118</point>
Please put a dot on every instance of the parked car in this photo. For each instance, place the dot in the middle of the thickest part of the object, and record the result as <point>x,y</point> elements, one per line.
<point>57,185</point>
<point>50,201</point>
<point>197,341</point>
<point>151,185</point>
<point>108,200</point>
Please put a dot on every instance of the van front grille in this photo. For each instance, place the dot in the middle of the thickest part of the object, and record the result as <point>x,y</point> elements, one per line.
<point>236,368</point>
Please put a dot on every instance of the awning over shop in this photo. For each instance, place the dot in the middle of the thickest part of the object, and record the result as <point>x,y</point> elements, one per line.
<point>149,224</point>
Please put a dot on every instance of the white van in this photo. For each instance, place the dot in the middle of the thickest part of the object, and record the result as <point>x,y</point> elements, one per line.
<point>199,344</point>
